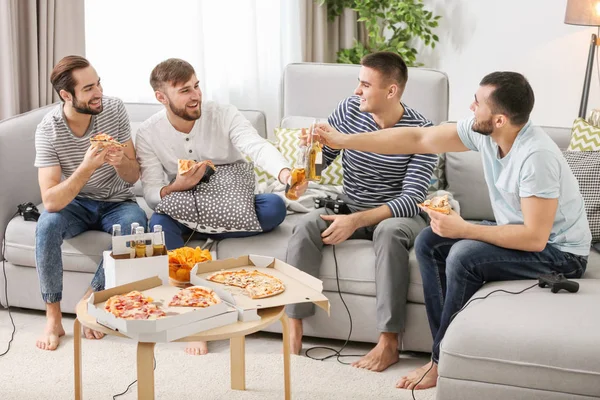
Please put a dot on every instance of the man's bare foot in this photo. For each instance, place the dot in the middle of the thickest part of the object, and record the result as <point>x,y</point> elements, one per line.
<point>410,381</point>
<point>384,354</point>
<point>296,332</point>
<point>197,348</point>
<point>50,338</point>
<point>92,334</point>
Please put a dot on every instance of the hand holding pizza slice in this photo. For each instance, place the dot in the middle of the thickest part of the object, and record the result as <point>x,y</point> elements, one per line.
<point>185,166</point>
<point>438,203</point>
<point>105,140</point>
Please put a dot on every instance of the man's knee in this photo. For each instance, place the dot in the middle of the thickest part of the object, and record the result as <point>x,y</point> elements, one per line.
<point>463,256</point>
<point>133,213</point>
<point>50,224</point>
<point>426,241</point>
<point>310,222</point>
<point>393,231</point>
<point>272,212</point>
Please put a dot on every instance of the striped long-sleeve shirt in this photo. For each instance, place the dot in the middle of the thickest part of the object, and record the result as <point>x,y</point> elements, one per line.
<point>401,180</point>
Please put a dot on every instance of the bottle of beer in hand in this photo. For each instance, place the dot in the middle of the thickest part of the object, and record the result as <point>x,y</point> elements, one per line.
<point>298,174</point>
<point>315,157</point>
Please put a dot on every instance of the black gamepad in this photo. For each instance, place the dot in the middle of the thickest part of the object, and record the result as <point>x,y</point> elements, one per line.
<point>557,282</point>
<point>338,206</point>
<point>28,211</point>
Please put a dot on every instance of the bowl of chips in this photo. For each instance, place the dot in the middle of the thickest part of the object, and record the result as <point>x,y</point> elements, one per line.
<point>181,262</point>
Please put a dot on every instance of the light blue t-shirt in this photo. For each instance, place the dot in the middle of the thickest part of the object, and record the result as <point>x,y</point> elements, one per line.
<point>534,166</point>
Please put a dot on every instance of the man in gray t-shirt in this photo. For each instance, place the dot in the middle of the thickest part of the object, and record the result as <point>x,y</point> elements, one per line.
<point>84,186</point>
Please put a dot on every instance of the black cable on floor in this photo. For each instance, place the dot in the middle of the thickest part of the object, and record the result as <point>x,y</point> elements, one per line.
<point>14,329</point>
<point>336,353</point>
<point>132,383</point>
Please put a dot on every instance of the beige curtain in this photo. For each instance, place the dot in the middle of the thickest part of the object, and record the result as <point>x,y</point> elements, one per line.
<point>321,38</point>
<point>34,36</point>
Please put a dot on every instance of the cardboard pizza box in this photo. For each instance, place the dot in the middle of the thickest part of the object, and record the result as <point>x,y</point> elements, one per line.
<point>120,268</point>
<point>300,287</point>
<point>153,287</point>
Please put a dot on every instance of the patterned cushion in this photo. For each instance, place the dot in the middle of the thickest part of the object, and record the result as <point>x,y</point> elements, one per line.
<point>586,168</point>
<point>584,136</point>
<point>287,143</point>
<point>438,179</point>
<point>223,204</point>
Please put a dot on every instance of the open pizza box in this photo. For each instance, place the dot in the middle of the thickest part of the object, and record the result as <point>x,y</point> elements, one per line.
<point>179,322</point>
<point>300,287</point>
<point>120,268</point>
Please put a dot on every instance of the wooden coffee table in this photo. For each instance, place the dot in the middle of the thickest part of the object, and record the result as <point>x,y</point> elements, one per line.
<point>236,333</point>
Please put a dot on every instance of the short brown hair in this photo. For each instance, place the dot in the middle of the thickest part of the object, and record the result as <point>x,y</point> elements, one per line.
<point>389,65</point>
<point>62,74</point>
<point>512,95</point>
<point>173,71</point>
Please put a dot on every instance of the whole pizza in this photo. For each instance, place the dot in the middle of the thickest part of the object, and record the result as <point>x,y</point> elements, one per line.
<point>195,296</point>
<point>133,305</point>
<point>257,285</point>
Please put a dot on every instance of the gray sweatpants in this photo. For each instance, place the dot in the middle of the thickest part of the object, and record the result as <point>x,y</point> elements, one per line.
<point>392,238</point>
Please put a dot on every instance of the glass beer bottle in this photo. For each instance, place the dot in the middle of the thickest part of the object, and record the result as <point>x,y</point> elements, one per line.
<point>140,242</point>
<point>315,157</point>
<point>158,247</point>
<point>298,175</point>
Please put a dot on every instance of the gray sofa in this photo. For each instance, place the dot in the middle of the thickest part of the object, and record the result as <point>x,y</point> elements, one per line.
<point>531,346</point>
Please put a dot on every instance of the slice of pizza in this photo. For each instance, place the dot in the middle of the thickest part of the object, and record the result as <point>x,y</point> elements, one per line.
<point>195,296</point>
<point>263,285</point>
<point>105,139</point>
<point>231,278</point>
<point>439,204</point>
<point>185,166</point>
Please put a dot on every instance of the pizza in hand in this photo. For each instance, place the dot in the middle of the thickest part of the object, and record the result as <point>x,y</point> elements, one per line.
<point>195,296</point>
<point>439,204</point>
<point>107,140</point>
<point>185,166</point>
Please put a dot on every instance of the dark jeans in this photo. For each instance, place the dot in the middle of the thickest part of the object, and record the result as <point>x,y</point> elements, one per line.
<point>454,269</point>
<point>270,210</point>
<point>78,216</point>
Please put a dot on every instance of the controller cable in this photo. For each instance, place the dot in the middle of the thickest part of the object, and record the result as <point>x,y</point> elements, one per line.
<point>456,313</point>
<point>14,329</point>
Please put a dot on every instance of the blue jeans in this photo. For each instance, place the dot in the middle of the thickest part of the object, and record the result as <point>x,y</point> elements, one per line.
<point>78,216</point>
<point>270,210</point>
<point>454,269</point>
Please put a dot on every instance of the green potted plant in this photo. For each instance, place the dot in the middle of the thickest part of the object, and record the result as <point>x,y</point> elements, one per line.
<point>392,25</point>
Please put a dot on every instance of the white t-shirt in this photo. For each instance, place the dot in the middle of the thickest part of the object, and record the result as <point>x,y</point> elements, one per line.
<point>221,135</point>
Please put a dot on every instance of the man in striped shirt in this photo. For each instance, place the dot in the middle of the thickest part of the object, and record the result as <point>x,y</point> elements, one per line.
<point>95,192</point>
<point>383,192</point>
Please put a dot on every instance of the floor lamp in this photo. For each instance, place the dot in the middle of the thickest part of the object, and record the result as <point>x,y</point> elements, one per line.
<point>585,12</point>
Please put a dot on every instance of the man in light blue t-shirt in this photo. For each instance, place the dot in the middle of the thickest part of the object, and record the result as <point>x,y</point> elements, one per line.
<point>541,224</point>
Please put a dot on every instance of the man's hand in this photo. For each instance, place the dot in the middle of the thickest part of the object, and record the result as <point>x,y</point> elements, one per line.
<point>329,137</point>
<point>189,179</point>
<point>342,227</point>
<point>94,157</point>
<point>114,156</point>
<point>450,226</point>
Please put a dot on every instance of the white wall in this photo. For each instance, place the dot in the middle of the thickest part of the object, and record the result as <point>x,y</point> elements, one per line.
<point>527,36</point>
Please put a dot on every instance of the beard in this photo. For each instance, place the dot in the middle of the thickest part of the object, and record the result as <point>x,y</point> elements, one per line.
<point>186,114</point>
<point>84,108</point>
<point>483,127</point>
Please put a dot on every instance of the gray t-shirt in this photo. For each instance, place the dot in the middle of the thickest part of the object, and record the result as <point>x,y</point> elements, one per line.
<point>56,144</point>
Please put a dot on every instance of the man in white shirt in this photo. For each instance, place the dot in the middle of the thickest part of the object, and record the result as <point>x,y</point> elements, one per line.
<point>188,128</point>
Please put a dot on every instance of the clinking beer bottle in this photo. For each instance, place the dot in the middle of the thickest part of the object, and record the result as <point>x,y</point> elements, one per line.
<point>298,174</point>
<point>140,242</point>
<point>315,157</point>
<point>158,247</point>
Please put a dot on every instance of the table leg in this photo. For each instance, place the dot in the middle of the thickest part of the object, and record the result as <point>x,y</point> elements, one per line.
<point>145,370</point>
<point>285,331</point>
<point>237,349</point>
<point>77,359</point>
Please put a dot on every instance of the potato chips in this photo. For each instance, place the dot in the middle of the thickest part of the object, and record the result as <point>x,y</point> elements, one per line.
<point>183,259</point>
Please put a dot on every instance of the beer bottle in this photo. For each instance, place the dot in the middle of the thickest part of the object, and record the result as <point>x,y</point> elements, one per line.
<point>158,247</point>
<point>140,242</point>
<point>298,174</point>
<point>116,230</point>
<point>315,157</point>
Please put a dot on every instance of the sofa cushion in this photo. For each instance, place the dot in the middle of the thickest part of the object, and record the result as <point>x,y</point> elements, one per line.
<point>550,344</point>
<point>356,260</point>
<point>584,136</point>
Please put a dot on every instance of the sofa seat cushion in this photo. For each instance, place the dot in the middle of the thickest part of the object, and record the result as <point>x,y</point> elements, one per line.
<point>536,339</point>
<point>356,260</point>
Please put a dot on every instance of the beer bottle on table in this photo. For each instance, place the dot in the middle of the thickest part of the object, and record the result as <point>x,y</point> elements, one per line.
<point>140,242</point>
<point>158,247</point>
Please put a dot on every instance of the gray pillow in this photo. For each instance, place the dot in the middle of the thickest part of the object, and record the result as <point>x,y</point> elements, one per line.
<point>223,204</point>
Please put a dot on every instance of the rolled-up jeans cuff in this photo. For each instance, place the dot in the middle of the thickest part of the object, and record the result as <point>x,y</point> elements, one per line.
<point>52,297</point>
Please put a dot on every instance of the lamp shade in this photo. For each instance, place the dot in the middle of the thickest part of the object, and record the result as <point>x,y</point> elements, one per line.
<point>583,12</point>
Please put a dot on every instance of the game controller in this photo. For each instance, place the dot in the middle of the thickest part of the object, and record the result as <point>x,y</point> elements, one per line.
<point>28,211</point>
<point>337,205</point>
<point>557,282</point>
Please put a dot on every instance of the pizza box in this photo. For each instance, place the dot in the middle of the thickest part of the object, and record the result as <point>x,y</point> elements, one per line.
<point>300,287</point>
<point>120,268</point>
<point>153,287</point>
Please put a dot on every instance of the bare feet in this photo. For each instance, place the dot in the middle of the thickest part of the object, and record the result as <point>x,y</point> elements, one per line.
<point>410,381</point>
<point>91,334</point>
<point>384,354</point>
<point>197,348</point>
<point>50,338</point>
<point>296,332</point>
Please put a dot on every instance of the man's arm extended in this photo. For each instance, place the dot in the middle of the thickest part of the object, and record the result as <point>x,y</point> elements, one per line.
<point>406,140</point>
<point>127,166</point>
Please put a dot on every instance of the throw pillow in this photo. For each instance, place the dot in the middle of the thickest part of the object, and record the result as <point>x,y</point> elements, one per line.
<point>586,168</point>
<point>223,204</point>
<point>287,143</point>
<point>438,179</point>
<point>584,136</point>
